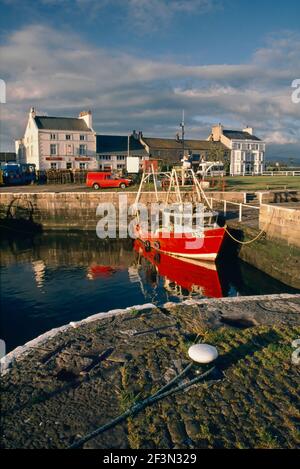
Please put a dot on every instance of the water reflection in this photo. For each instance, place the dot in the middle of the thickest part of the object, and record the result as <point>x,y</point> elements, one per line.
<point>39,269</point>
<point>181,278</point>
<point>51,279</point>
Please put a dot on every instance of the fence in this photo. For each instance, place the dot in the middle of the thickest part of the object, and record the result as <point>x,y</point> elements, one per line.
<point>250,212</point>
<point>62,176</point>
<point>270,173</point>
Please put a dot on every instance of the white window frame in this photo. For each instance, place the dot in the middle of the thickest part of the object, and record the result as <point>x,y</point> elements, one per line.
<point>84,152</point>
<point>53,145</point>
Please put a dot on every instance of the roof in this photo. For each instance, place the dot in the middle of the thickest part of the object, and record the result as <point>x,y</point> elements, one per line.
<point>239,135</point>
<point>117,144</point>
<point>173,144</point>
<point>7,156</point>
<point>61,123</point>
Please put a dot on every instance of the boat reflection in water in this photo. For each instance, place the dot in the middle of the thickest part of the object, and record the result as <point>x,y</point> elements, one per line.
<point>95,271</point>
<point>186,277</point>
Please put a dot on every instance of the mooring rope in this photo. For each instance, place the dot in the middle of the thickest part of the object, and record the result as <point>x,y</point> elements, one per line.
<point>244,242</point>
<point>142,404</point>
<point>263,231</point>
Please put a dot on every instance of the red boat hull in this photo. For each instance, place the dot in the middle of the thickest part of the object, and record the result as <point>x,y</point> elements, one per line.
<point>206,247</point>
<point>192,275</point>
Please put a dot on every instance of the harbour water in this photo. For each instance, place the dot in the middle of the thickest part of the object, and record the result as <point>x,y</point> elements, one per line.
<point>50,279</point>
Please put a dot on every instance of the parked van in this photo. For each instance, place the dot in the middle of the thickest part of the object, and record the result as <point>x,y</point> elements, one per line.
<point>105,179</point>
<point>18,173</point>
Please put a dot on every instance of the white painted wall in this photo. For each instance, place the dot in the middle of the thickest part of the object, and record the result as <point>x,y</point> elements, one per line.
<point>67,151</point>
<point>37,146</point>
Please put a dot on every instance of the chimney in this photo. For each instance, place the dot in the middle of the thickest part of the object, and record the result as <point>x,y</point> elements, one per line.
<point>249,130</point>
<point>32,112</point>
<point>217,132</point>
<point>87,117</point>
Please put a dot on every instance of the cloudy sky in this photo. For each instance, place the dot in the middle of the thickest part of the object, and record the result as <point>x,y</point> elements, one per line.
<point>137,63</point>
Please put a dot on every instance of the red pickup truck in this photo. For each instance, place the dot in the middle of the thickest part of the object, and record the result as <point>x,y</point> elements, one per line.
<point>105,179</point>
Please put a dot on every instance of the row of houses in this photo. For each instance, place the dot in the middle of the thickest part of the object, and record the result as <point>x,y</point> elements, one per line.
<point>72,143</point>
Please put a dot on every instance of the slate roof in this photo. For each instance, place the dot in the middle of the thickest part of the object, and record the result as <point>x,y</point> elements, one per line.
<point>239,135</point>
<point>107,144</point>
<point>173,144</point>
<point>61,123</point>
<point>7,156</point>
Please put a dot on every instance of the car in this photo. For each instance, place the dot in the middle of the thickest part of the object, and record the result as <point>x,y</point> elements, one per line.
<point>105,179</point>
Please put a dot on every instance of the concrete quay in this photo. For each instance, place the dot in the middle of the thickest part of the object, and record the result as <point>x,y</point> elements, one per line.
<point>71,380</point>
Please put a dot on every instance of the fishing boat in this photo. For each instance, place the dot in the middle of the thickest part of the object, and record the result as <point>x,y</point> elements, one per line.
<point>202,244</point>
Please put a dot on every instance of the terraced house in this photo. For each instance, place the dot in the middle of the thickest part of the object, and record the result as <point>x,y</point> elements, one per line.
<point>58,142</point>
<point>171,151</point>
<point>247,150</point>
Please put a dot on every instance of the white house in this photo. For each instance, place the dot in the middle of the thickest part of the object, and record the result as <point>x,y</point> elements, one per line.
<point>247,150</point>
<point>58,142</point>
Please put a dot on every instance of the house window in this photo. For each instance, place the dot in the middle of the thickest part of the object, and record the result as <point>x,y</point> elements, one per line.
<point>120,158</point>
<point>68,137</point>
<point>69,165</point>
<point>53,149</point>
<point>82,165</point>
<point>82,137</point>
<point>120,166</point>
<point>69,149</point>
<point>82,150</point>
<point>53,136</point>
<point>53,165</point>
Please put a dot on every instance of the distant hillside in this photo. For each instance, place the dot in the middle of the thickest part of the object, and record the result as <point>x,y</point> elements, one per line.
<point>288,153</point>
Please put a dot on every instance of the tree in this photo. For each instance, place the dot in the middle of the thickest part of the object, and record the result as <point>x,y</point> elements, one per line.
<point>218,152</point>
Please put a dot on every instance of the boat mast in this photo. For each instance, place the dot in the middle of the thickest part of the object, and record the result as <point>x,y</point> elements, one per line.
<point>182,133</point>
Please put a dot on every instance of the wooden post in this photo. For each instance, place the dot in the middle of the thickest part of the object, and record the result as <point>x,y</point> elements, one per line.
<point>240,212</point>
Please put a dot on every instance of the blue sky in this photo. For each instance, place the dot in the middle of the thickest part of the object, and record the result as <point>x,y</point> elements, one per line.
<point>137,63</point>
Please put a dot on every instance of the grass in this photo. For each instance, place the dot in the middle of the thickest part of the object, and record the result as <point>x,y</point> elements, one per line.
<point>245,183</point>
<point>236,183</point>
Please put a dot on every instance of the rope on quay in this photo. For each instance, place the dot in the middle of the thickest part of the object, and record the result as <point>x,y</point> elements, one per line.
<point>261,233</point>
<point>161,394</point>
<point>245,242</point>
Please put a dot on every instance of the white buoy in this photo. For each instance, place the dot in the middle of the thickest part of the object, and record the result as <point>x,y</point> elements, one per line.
<point>203,353</point>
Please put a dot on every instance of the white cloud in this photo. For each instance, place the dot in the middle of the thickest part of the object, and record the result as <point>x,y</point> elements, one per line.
<point>278,137</point>
<point>148,15</point>
<point>60,74</point>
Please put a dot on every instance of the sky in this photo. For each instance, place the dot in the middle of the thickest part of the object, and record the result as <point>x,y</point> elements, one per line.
<point>138,63</point>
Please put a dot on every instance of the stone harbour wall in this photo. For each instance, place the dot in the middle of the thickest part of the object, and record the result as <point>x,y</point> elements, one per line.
<point>282,223</point>
<point>74,210</point>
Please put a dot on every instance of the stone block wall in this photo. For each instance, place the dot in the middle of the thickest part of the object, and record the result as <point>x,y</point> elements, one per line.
<point>74,210</point>
<point>281,223</point>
